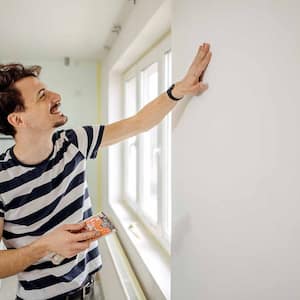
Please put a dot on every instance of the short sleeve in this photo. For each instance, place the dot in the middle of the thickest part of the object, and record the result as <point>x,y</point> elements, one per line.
<point>87,139</point>
<point>1,208</point>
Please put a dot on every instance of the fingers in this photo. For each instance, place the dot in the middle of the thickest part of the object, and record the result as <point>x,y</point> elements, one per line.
<point>81,246</point>
<point>74,252</point>
<point>202,59</point>
<point>202,51</point>
<point>202,74</point>
<point>77,247</point>
<point>82,229</point>
<point>73,227</point>
<point>87,235</point>
<point>96,238</point>
<point>200,69</point>
<point>203,67</point>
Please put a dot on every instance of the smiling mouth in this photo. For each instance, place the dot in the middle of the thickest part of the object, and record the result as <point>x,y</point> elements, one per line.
<point>55,109</point>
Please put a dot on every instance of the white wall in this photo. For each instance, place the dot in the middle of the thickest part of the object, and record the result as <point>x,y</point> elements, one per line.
<point>236,153</point>
<point>77,84</point>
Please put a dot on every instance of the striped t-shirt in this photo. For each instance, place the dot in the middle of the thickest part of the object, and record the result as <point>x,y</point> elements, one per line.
<point>35,199</point>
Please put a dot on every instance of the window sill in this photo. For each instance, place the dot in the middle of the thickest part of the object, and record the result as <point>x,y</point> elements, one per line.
<point>149,260</point>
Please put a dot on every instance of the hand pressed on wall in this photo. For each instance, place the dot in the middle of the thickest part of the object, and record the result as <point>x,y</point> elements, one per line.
<point>192,84</point>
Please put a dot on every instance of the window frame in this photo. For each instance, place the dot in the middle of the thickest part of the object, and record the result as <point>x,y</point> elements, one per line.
<point>159,231</point>
<point>124,144</point>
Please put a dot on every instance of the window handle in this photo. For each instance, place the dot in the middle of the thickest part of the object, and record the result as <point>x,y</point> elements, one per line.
<point>132,142</point>
<point>133,228</point>
<point>156,156</point>
<point>156,153</point>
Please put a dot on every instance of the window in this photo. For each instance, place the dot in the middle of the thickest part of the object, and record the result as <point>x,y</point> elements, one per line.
<point>150,148</point>
<point>147,157</point>
<point>130,151</point>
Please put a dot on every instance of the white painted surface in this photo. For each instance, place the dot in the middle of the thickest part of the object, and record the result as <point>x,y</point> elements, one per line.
<point>118,279</point>
<point>236,153</point>
<point>58,28</point>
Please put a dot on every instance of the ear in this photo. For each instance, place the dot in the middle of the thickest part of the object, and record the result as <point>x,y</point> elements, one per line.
<point>15,119</point>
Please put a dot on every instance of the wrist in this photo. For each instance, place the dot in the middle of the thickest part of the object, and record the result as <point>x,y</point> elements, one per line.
<point>174,92</point>
<point>40,247</point>
<point>177,91</point>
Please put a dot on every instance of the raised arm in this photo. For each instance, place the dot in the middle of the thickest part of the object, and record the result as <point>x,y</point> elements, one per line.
<point>154,112</point>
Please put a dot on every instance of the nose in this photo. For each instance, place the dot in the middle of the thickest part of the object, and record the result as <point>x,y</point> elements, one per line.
<point>54,97</point>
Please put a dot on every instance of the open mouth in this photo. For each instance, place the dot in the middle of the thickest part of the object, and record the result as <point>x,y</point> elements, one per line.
<point>54,110</point>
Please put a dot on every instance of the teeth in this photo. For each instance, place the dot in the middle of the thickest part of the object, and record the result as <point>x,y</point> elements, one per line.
<point>54,108</point>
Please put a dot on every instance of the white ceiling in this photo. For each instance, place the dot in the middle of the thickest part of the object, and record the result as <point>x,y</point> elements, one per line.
<point>52,29</point>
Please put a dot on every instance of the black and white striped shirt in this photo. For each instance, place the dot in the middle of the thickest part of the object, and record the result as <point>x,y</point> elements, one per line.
<point>35,199</point>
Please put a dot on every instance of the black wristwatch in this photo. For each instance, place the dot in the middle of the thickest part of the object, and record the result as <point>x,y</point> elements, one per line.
<point>169,92</point>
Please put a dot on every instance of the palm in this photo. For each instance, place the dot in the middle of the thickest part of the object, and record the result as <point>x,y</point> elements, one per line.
<point>192,83</point>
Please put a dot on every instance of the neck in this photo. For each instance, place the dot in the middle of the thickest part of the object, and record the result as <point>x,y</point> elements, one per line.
<point>33,149</point>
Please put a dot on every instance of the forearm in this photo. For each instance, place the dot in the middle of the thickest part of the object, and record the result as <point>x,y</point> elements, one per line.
<point>17,260</point>
<point>154,112</point>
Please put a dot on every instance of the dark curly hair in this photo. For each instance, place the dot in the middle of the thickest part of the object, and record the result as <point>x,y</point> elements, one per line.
<point>10,97</point>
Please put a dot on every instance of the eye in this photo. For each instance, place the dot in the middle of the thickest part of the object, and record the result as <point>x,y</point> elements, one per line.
<point>43,94</point>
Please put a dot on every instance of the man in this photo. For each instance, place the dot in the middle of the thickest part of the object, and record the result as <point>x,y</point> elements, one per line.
<point>43,191</point>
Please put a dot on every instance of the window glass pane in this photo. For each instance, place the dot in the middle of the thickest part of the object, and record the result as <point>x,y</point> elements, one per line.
<point>130,97</point>
<point>168,69</point>
<point>130,155</point>
<point>167,133</point>
<point>149,142</point>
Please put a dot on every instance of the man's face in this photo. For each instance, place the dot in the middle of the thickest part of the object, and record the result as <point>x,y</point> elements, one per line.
<point>41,106</point>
